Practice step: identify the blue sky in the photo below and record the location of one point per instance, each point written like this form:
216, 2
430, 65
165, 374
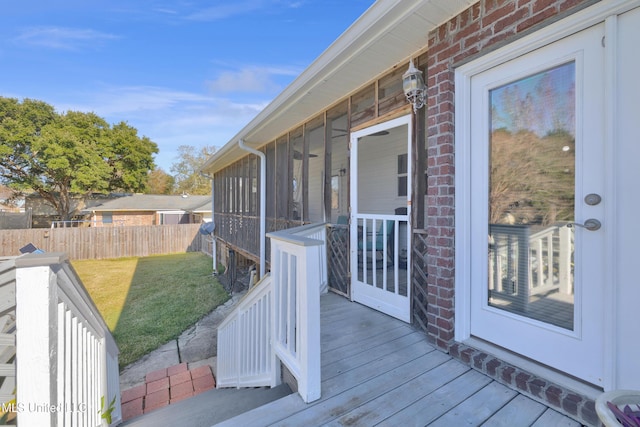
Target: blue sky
168, 68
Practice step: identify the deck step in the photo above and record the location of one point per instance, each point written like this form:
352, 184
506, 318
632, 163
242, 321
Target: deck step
211, 407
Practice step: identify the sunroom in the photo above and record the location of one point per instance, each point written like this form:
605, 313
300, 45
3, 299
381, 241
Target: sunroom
351, 165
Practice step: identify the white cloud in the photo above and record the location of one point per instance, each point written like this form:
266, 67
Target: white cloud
169, 117
255, 79
63, 38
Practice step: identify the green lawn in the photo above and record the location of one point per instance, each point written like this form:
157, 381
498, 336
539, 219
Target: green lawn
149, 301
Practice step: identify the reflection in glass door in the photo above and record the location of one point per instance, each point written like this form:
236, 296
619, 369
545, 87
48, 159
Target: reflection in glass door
531, 196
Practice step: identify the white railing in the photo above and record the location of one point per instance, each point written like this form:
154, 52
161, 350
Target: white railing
279, 320
299, 274
67, 360
244, 342
7, 331
392, 232
522, 265
550, 260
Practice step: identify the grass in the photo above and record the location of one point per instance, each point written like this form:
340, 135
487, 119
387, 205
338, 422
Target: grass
147, 302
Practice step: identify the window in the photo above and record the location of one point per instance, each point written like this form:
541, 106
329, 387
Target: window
107, 217
403, 169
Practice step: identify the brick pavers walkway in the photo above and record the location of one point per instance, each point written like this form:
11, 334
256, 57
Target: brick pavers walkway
166, 386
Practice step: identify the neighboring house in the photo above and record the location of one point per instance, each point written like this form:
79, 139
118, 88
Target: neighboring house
150, 209
524, 245
44, 215
8, 201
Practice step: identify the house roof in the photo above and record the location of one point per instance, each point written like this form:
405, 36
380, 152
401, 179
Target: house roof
386, 35
153, 202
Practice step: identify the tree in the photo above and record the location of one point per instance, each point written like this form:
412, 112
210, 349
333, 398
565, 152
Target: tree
188, 179
74, 153
160, 182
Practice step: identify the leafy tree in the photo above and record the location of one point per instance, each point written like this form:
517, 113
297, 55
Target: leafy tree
160, 182
188, 179
532, 177
74, 153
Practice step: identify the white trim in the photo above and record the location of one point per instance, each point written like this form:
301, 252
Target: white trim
609, 161
604, 11
462, 144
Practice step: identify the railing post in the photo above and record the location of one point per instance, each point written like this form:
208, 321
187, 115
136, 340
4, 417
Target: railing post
36, 346
564, 261
275, 310
111, 378
309, 313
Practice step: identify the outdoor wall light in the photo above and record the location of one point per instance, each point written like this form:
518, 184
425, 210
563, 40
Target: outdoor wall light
414, 87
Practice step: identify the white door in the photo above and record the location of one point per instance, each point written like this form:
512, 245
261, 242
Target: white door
536, 159
380, 212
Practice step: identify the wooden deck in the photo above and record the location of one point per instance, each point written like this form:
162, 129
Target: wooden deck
380, 371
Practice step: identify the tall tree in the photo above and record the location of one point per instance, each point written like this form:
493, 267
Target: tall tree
62, 155
185, 170
160, 182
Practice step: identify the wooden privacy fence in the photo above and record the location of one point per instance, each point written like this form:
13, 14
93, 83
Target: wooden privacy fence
106, 242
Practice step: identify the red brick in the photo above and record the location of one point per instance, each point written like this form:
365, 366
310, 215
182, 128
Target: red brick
478, 360
132, 408
200, 371
507, 374
173, 370
156, 400
156, 375
162, 383
554, 396
204, 383
492, 367
180, 378
522, 379
133, 393
181, 390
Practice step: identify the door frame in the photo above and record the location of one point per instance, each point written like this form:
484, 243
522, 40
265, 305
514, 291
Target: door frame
605, 11
368, 298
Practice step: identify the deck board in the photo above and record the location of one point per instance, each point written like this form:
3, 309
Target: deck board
479, 407
522, 408
377, 370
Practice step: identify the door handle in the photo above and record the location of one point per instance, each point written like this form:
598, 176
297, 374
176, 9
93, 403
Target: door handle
591, 224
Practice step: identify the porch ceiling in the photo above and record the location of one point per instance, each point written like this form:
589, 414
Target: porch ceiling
386, 35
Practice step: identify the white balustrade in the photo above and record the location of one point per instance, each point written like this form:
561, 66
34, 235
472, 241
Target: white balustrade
244, 347
523, 265
66, 358
279, 320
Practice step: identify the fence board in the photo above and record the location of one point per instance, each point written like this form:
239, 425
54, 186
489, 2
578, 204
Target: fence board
105, 242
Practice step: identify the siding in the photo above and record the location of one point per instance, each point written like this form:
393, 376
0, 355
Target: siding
378, 172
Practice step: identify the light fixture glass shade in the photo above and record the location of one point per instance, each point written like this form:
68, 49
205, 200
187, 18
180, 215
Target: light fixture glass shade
414, 87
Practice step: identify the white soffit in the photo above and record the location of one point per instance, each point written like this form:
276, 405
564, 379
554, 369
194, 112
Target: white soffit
387, 34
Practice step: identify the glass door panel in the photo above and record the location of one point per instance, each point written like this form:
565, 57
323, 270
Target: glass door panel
532, 196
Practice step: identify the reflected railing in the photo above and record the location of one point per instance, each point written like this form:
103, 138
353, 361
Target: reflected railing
526, 268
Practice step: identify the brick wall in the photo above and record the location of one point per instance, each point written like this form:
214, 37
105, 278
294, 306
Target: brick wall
128, 219
485, 25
